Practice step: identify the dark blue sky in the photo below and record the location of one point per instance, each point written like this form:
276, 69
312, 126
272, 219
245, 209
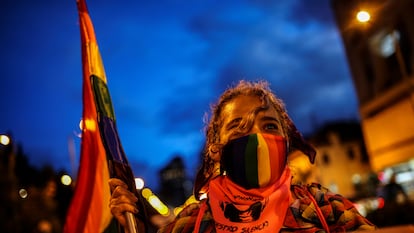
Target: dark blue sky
166, 62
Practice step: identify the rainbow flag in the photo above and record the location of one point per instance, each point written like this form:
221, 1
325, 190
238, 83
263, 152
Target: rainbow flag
89, 210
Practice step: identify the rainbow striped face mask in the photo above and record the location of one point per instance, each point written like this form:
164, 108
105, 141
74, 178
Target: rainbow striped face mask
255, 160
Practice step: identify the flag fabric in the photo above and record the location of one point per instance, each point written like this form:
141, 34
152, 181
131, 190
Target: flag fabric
89, 209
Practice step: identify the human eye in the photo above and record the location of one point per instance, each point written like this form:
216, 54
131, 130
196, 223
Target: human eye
234, 129
234, 124
271, 127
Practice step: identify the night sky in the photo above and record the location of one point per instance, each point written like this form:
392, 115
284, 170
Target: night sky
166, 62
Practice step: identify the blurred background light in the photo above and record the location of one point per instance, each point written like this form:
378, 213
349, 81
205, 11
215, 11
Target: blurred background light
23, 193
363, 16
139, 183
66, 180
4, 139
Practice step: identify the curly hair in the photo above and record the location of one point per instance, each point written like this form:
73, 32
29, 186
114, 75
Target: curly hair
261, 89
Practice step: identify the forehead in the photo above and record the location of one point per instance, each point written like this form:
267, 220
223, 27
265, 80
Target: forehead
242, 105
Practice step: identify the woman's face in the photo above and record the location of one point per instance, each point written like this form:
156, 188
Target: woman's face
266, 121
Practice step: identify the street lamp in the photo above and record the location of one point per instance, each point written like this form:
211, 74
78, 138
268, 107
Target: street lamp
389, 43
363, 16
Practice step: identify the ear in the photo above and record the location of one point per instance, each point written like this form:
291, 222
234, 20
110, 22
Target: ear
215, 152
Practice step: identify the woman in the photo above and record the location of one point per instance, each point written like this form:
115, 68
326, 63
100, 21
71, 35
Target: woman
245, 177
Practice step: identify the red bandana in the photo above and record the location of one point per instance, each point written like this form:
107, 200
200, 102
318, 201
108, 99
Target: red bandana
260, 210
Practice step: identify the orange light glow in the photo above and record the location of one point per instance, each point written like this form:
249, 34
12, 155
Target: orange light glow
89, 124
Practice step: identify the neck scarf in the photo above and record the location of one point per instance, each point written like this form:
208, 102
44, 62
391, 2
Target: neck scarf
260, 210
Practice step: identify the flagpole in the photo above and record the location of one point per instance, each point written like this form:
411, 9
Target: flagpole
132, 225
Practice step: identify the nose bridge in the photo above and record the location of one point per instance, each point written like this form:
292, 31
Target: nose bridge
255, 127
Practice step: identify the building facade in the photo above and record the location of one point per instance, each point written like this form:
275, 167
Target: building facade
341, 164
380, 55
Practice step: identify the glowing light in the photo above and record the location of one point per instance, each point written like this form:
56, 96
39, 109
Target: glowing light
4, 139
66, 180
203, 196
356, 179
177, 210
158, 205
81, 124
139, 183
368, 205
23, 193
381, 202
146, 193
381, 176
155, 202
89, 124
188, 202
363, 16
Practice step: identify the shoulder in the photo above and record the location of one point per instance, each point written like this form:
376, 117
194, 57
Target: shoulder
315, 190
310, 187
336, 210
322, 197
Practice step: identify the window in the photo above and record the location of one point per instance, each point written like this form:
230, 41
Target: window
325, 159
351, 154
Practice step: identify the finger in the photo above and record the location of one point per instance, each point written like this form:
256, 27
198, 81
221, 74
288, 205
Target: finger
118, 214
119, 206
115, 182
121, 191
126, 198
118, 209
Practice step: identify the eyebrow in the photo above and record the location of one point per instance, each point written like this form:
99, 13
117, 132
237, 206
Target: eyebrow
269, 118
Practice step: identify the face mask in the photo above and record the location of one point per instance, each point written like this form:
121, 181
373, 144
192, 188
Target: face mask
255, 160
